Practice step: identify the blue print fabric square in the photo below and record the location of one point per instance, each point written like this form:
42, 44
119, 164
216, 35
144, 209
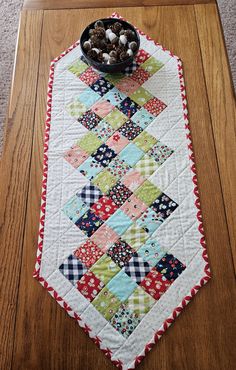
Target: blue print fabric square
131, 154
89, 223
114, 96
75, 208
72, 269
170, 267
128, 107
151, 252
130, 130
104, 155
102, 86
164, 206
119, 222
89, 97
143, 118
89, 120
90, 168
149, 221
121, 285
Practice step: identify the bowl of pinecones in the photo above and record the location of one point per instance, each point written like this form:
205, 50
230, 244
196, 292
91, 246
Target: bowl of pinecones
109, 44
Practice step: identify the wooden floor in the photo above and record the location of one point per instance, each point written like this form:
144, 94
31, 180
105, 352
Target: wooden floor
35, 333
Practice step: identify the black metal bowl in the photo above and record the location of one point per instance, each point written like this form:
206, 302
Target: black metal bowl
109, 68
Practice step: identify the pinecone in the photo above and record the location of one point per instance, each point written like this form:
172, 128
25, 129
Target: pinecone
99, 32
92, 54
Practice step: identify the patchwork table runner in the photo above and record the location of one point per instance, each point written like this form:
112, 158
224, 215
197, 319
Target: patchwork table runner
121, 244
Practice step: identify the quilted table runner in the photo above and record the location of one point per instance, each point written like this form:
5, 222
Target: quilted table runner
121, 244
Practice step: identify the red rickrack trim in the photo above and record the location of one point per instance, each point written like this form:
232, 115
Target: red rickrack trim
44, 283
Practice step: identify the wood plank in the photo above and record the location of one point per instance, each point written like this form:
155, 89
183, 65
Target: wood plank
91, 4
14, 171
203, 336
222, 107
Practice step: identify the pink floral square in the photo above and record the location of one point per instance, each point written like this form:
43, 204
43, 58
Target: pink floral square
141, 56
102, 108
104, 237
75, 156
155, 106
117, 142
89, 76
140, 76
133, 180
127, 85
133, 207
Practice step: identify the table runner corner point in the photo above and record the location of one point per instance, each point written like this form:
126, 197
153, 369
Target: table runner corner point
150, 268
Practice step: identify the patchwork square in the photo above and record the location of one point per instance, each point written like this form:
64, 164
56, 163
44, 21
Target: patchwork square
90, 168
130, 130
170, 267
103, 130
140, 76
101, 86
75, 156
104, 180
106, 303
74, 208
78, 67
116, 118
155, 284
118, 168
104, 207
135, 236
89, 120
143, 118
104, 237
104, 155
72, 269
114, 96
90, 194
141, 56
147, 192
88, 253
105, 269
89, 285
125, 321
89, 142
76, 109
152, 65
145, 141
146, 166
155, 106
121, 285
151, 252
89, 223
117, 142
137, 268
88, 97
102, 108
131, 154
141, 96
133, 207
133, 180
149, 221
127, 85
164, 206
89, 76
120, 252
160, 153
114, 78
119, 222
128, 107
119, 193
140, 302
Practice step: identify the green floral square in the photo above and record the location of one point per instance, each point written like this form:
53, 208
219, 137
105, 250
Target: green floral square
135, 236
76, 109
89, 142
147, 192
116, 118
152, 65
145, 141
105, 180
78, 67
141, 96
105, 268
106, 303
114, 78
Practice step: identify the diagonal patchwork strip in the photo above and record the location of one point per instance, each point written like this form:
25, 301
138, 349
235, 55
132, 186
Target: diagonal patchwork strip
125, 238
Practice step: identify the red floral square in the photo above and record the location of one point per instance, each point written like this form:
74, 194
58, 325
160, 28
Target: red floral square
141, 56
155, 284
88, 253
155, 106
104, 207
89, 76
89, 285
140, 76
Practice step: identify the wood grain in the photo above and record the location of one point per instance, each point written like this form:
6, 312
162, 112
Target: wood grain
14, 171
91, 4
203, 337
222, 107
